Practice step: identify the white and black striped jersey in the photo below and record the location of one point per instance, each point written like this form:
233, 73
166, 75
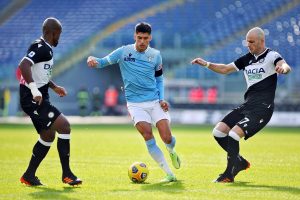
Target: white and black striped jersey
260, 75
40, 54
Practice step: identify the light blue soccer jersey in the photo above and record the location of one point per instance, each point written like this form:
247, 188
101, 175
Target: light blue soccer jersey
138, 72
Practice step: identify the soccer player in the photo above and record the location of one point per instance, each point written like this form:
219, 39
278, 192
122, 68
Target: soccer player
142, 73
36, 69
261, 66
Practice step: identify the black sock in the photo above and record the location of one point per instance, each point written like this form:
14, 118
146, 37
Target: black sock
222, 141
38, 154
232, 154
63, 147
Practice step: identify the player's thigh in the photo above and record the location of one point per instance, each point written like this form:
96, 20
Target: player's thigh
61, 125
158, 114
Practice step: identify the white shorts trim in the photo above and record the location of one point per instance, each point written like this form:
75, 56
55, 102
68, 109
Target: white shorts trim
149, 111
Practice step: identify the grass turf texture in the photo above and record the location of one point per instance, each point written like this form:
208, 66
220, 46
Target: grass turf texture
101, 155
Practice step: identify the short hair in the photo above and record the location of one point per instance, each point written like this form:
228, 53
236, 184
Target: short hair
143, 27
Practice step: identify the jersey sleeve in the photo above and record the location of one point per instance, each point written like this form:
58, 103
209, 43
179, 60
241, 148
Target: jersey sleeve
158, 66
37, 53
159, 77
241, 62
112, 58
276, 57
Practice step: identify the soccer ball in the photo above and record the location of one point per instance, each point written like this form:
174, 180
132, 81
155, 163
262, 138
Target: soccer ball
138, 172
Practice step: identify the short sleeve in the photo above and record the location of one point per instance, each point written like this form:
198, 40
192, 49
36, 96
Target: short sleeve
243, 61
276, 57
38, 53
115, 56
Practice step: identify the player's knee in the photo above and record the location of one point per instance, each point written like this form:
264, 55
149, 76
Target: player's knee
47, 136
147, 135
65, 128
218, 133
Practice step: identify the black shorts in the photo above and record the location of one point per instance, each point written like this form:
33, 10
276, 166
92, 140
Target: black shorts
251, 118
42, 116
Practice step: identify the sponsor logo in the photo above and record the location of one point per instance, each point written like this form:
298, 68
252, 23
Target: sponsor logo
255, 73
129, 58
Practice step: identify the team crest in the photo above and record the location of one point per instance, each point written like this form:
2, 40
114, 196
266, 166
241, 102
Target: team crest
150, 58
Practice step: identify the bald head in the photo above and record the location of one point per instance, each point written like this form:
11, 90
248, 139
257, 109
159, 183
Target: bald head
51, 30
257, 32
51, 24
256, 40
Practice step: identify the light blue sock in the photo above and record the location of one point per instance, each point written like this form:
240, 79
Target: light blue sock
171, 146
158, 155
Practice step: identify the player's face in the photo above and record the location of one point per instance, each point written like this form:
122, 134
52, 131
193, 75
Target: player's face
142, 41
254, 44
56, 36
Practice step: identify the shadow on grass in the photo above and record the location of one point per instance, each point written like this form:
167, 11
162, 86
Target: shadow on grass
173, 187
292, 190
44, 192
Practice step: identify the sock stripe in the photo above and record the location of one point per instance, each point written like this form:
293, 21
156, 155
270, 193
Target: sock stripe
218, 134
48, 144
64, 136
234, 135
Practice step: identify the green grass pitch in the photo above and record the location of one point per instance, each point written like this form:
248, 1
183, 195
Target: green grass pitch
101, 155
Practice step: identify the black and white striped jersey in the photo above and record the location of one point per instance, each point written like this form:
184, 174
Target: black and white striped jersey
40, 54
260, 75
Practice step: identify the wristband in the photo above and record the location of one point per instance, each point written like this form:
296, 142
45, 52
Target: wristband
34, 90
207, 64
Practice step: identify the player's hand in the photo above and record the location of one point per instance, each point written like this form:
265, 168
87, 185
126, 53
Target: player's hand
164, 105
199, 61
280, 69
60, 91
92, 62
38, 99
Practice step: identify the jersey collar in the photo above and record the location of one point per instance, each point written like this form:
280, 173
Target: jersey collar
46, 42
260, 53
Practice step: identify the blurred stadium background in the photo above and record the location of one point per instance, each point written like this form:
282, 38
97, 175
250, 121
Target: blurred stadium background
182, 30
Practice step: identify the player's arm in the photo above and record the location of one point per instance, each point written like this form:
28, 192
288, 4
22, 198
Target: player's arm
61, 91
216, 67
110, 59
25, 68
282, 67
160, 84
